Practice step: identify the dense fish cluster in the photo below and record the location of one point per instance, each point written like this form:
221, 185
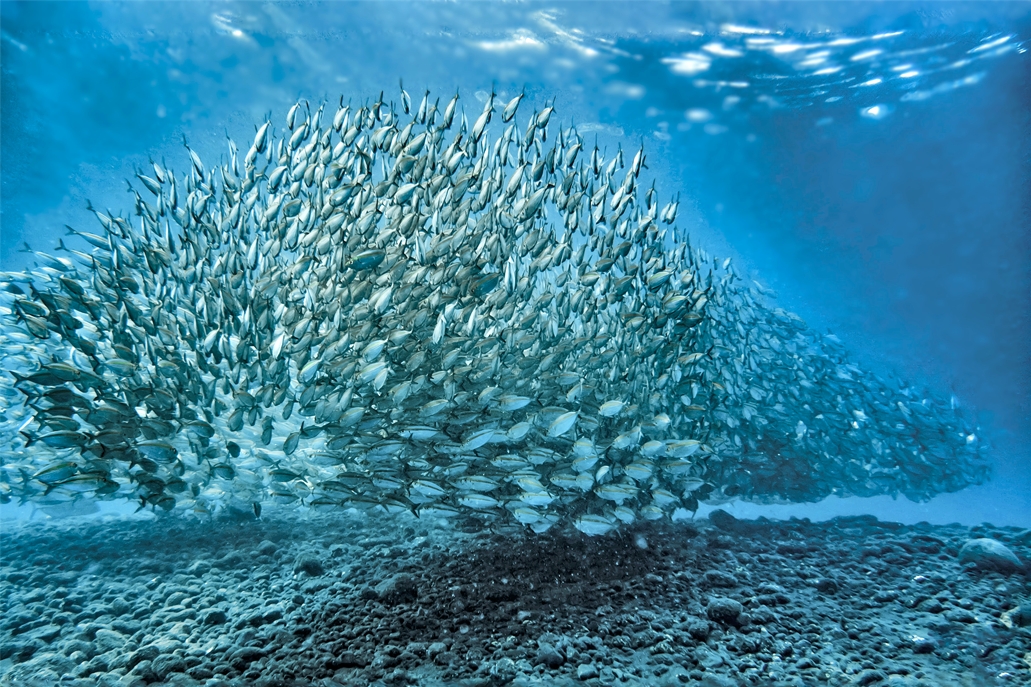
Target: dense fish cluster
388, 307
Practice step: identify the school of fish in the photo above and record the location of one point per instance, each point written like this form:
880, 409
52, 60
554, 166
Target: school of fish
387, 307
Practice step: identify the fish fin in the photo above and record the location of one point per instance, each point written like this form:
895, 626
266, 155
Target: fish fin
29, 439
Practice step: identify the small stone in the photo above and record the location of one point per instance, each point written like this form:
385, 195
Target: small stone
931, 606
961, 615
20, 649
924, 645
167, 663
400, 588
826, 585
989, 554
708, 659
1021, 615
108, 640
47, 633
436, 648
549, 656
724, 520
144, 653
309, 564
348, 659
718, 578
586, 671
698, 629
717, 680
199, 568
267, 548
214, 617
503, 671
244, 656
868, 677
126, 627
724, 610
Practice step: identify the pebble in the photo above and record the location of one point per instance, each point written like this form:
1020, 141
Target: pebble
586, 671
308, 564
1021, 615
724, 520
214, 617
719, 578
398, 589
869, 677
961, 615
724, 610
548, 655
504, 670
924, 645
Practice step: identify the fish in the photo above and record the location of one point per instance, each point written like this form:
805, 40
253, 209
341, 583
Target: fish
405, 310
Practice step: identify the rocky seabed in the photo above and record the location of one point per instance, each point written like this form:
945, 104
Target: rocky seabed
360, 599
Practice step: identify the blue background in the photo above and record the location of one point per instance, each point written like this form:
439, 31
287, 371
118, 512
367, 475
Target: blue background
870, 162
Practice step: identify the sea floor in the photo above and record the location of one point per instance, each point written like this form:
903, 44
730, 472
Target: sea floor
355, 599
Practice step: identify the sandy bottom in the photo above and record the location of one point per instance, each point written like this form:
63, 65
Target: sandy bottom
354, 599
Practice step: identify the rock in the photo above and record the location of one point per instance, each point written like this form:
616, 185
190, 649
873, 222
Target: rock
19, 649
199, 568
1021, 615
436, 648
698, 629
230, 561
244, 656
724, 610
868, 677
716, 680
165, 664
724, 520
267, 548
961, 615
884, 596
126, 627
347, 659
924, 645
400, 588
144, 671
308, 564
503, 671
826, 585
718, 578
586, 671
214, 617
549, 656
989, 554
108, 640
47, 633
144, 653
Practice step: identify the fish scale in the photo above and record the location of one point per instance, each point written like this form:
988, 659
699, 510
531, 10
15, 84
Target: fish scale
258, 319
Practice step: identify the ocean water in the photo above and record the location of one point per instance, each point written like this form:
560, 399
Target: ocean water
866, 162
869, 164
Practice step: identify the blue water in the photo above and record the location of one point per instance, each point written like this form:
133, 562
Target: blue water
869, 162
